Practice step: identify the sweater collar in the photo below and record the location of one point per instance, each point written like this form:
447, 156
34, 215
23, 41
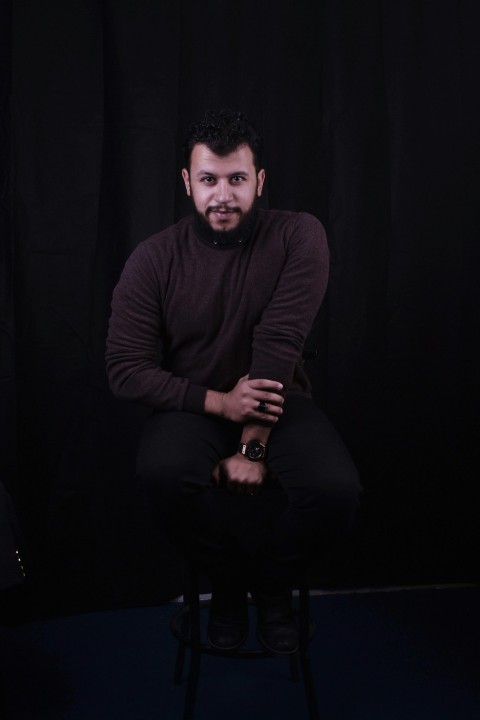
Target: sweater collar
239, 236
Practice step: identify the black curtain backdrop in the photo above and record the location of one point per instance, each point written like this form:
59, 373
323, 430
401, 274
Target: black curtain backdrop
370, 113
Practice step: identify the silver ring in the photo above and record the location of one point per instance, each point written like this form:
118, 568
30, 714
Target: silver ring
262, 406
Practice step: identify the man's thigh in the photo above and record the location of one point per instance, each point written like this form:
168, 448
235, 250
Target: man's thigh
179, 447
307, 454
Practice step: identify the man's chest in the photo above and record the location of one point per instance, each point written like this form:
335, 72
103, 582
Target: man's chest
219, 288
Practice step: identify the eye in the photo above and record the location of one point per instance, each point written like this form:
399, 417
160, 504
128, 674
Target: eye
237, 179
207, 179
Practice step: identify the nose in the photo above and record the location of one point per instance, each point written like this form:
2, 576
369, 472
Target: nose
223, 191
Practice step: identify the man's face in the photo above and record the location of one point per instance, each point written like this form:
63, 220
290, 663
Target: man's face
223, 189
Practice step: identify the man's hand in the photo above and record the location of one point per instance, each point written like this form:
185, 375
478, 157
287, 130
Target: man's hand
241, 476
241, 404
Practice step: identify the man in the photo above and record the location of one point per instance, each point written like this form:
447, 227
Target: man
230, 292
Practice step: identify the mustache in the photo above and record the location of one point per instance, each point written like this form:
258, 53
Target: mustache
216, 208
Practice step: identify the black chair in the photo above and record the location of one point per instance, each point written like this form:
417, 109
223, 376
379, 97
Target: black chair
186, 626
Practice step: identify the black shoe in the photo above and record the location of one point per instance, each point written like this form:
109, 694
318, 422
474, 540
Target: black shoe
277, 631
228, 621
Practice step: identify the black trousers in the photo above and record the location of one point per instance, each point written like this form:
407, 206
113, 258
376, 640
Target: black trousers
308, 502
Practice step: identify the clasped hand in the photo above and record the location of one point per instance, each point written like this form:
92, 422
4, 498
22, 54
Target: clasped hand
241, 404
240, 475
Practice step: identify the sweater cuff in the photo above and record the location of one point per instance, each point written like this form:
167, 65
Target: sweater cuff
194, 400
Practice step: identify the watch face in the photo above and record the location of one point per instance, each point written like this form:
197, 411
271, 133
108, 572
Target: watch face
255, 450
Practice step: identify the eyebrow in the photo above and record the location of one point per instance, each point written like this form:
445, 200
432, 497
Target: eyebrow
212, 174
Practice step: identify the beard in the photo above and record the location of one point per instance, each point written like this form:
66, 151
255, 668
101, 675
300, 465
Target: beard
238, 234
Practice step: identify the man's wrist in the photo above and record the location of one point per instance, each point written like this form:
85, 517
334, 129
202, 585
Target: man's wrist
253, 450
254, 442
214, 403
256, 431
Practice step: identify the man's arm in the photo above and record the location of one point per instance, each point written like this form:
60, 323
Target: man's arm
279, 337
135, 325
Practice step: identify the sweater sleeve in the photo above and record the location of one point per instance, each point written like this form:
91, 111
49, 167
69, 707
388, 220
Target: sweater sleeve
133, 338
279, 337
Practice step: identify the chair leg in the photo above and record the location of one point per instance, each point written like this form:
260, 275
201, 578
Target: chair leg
180, 659
184, 633
192, 598
308, 681
192, 682
309, 686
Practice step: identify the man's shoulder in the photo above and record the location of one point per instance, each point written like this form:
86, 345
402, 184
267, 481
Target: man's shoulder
170, 233
287, 216
165, 240
160, 249
290, 221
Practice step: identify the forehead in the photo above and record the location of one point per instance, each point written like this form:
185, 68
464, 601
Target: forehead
203, 159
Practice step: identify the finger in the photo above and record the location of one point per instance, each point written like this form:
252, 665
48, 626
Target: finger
253, 488
270, 397
267, 413
234, 488
243, 487
268, 408
263, 384
216, 474
271, 402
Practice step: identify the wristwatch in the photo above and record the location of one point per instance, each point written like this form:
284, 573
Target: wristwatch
254, 450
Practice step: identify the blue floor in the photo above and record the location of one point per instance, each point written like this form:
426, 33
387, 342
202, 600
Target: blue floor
399, 655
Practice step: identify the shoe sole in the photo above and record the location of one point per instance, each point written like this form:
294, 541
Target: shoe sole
276, 653
229, 649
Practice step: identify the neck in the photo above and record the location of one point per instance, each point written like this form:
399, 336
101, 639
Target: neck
239, 235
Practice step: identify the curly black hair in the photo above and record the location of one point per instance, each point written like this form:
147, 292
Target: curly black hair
223, 131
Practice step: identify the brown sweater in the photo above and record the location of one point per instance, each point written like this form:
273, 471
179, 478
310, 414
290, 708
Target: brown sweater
218, 312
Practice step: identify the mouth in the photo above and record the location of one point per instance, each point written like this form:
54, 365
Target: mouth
222, 212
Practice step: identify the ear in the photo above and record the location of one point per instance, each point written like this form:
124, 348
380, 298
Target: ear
186, 180
260, 181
